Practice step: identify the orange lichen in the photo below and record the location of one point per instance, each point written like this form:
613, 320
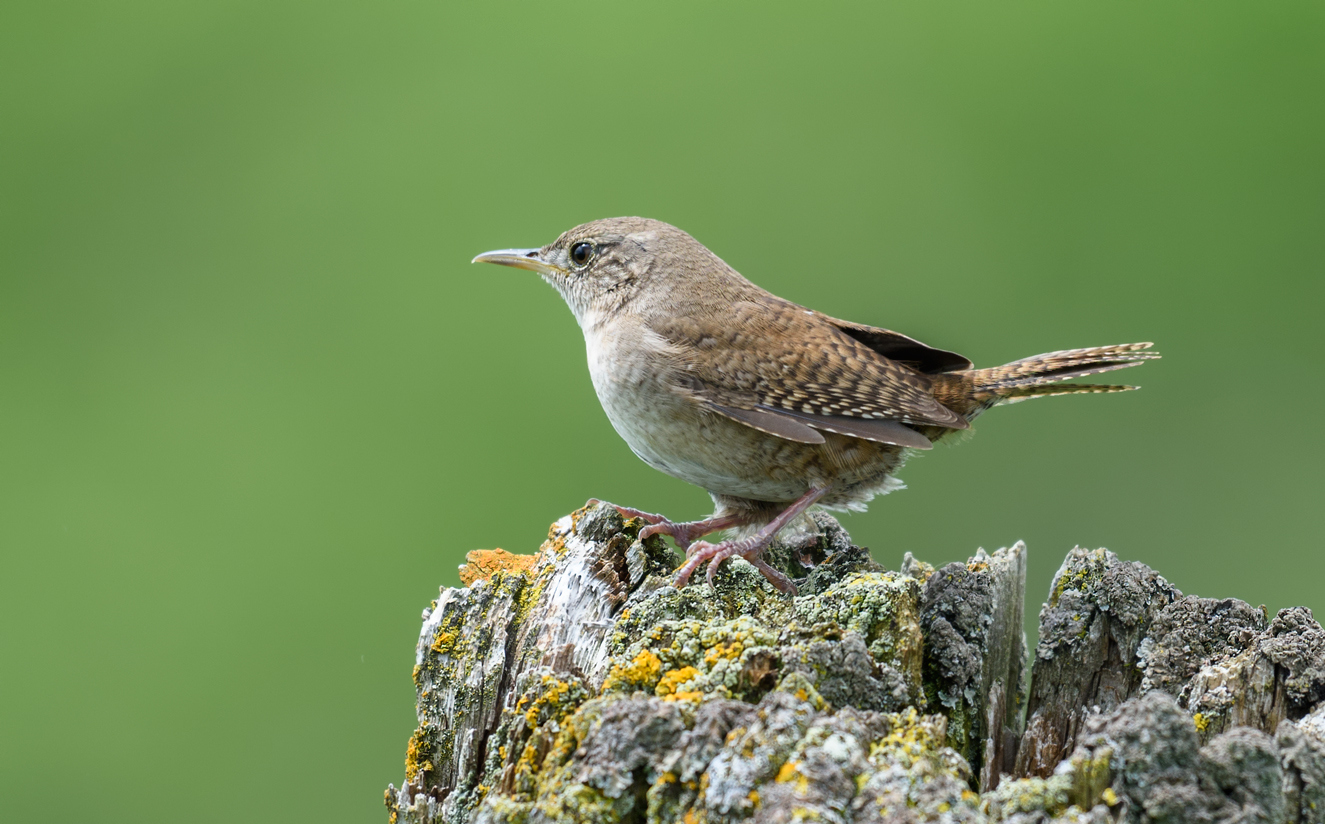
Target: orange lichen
482, 564
556, 540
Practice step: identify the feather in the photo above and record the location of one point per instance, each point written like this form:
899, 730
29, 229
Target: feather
783, 426
898, 434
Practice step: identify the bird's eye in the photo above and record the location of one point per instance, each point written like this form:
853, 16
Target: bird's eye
581, 253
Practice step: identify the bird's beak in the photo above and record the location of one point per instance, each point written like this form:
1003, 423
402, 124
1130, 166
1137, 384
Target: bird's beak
520, 259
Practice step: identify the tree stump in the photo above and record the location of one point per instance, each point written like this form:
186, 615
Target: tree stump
580, 686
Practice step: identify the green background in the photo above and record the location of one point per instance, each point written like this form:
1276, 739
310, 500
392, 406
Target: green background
257, 404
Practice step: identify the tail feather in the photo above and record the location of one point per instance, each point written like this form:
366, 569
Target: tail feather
972, 391
1025, 393
1053, 367
1014, 380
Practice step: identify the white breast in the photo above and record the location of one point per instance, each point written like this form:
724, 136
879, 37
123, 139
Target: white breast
668, 430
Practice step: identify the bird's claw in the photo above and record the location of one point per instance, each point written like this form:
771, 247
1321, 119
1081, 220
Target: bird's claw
714, 554
685, 534
628, 512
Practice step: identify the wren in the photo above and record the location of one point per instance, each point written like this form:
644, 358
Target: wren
769, 406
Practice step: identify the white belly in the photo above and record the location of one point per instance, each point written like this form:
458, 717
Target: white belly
673, 434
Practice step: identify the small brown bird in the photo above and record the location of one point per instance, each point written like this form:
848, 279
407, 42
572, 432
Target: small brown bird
771, 407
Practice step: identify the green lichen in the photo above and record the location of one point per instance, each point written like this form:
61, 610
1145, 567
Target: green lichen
1081, 786
1028, 795
1088, 573
882, 607
1092, 776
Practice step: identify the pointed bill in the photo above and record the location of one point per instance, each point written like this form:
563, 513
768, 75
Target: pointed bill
521, 259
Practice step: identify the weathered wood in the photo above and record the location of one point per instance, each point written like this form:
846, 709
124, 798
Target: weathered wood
971, 615
1097, 614
581, 686
1260, 678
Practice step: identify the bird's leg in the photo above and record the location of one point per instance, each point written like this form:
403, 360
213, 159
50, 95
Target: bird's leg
751, 548
779, 581
684, 533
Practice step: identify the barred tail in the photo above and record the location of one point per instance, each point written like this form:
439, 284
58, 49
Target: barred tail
1036, 377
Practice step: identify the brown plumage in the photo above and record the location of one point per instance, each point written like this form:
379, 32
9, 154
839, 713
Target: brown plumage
770, 406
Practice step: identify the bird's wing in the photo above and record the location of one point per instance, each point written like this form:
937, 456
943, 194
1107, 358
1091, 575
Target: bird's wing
898, 347
788, 371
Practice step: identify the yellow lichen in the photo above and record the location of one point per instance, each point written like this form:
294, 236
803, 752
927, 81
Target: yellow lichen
1201, 721
674, 678
417, 755
556, 690
1110, 797
687, 695
910, 736
729, 652
639, 673
724, 652
527, 764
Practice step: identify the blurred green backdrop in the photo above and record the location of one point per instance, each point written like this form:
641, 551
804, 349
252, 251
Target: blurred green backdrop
256, 404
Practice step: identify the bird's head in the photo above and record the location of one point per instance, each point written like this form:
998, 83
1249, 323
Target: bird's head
605, 266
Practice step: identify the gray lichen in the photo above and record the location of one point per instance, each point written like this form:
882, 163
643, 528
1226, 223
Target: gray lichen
971, 616
583, 687
1098, 613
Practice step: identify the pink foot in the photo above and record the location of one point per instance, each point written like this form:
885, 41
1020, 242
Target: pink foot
712, 554
627, 512
715, 554
751, 549
685, 533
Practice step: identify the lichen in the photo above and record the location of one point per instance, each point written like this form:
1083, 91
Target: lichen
865, 698
482, 564
881, 607
640, 672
